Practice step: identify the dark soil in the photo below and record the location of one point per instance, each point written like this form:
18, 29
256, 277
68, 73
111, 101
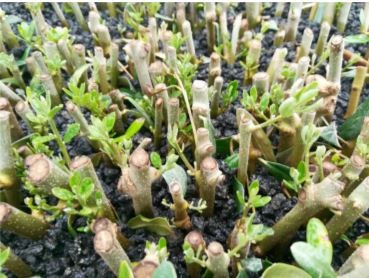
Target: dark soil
61, 255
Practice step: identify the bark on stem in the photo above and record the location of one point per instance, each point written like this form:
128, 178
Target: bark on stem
204, 147
49, 86
23, 110
187, 33
200, 102
236, 32
103, 37
356, 89
253, 13
259, 138
79, 59
139, 53
100, 224
59, 14
252, 60
306, 41
46, 174
5, 91
15, 264
356, 204
293, 21
15, 129
181, 218
218, 85
158, 122
78, 14
84, 166
108, 247
358, 260
136, 182
245, 131
312, 199
101, 70
197, 242
335, 59
343, 16
261, 82
218, 261
21, 223
10, 38
173, 112
215, 68
211, 176
210, 17
325, 28
8, 177
274, 67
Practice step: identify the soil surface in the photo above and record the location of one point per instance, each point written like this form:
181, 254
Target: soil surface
61, 255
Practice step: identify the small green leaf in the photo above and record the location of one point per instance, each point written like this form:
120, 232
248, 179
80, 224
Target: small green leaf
125, 270
62, 193
158, 225
253, 264
134, 128
78, 74
359, 38
281, 270
155, 160
75, 179
329, 135
264, 102
261, 201
178, 174
71, 132
253, 188
86, 188
239, 194
232, 161
109, 121
165, 270
317, 236
350, 129
311, 260
279, 171
287, 107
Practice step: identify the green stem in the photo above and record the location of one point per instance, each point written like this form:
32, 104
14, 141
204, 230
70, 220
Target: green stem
59, 141
183, 157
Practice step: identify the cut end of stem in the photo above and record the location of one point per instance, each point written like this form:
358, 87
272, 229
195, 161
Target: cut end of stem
195, 239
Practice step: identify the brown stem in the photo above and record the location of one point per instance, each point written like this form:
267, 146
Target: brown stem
15, 129
105, 224
211, 176
15, 264
204, 147
181, 218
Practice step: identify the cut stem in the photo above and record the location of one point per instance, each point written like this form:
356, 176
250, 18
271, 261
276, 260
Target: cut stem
15, 264
20, 223
181, 218
356, 89
218, 261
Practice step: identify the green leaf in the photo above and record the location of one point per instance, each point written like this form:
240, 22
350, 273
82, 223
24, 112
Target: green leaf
329, 135
359, 38
75, 179
253, 264
350, 129
261, 201
281, 270
4, 255
311, 260
134, 128
232, 161
155, 160
253, 188
279, 171
62, 194
178, 174
223, 146
158, 225
86, 188
71, 132
109, 121
78, 74
317, 236
165, 270
287, 108
239, 194
125, 270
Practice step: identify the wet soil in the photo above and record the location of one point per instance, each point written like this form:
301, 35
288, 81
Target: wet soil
61, 255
